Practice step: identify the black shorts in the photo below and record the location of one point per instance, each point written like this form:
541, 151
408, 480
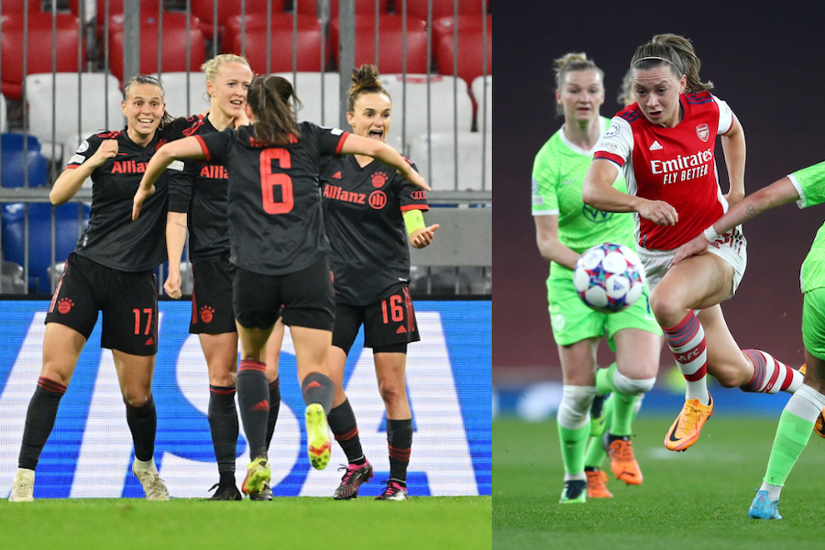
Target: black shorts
212, 310
389, 325
128, 300
306, 296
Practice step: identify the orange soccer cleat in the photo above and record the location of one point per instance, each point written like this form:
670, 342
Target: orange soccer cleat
597, 484
688, 425
623, 461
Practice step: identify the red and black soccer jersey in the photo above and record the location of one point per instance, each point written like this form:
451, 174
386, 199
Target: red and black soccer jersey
363, 209
112, 239
199, 190
276, 222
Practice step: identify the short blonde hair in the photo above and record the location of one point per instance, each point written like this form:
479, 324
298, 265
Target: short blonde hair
211, 67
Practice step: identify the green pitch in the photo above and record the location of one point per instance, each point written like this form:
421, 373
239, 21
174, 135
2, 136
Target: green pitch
284, 523
694, 500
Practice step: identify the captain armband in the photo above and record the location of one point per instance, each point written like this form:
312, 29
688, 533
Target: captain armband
414, 220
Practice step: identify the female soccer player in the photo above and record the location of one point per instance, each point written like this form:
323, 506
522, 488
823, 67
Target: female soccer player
197, 202
565, 228
371, 267
109, 271
806, 404
279, 249
665, 145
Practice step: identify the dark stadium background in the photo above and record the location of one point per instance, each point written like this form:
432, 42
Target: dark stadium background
767, 62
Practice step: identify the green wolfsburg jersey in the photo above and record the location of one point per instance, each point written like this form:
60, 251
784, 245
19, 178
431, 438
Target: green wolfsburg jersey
810, 184
558, 176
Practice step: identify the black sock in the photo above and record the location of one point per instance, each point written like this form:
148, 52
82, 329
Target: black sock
318, 388
399, 439
223, 423
253, 400
274, 408
39, 421
143, 423
344, 427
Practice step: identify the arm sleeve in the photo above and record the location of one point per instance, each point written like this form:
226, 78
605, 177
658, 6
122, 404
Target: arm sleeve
216, 145
181, 184
617, 143
725, 116
84, 151
411, 197
543, 190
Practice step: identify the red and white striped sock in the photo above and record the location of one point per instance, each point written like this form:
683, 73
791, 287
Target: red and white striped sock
770, 375
687, 343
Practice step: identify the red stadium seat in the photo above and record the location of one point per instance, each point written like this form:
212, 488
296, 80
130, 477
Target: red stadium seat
39, 49
173, 45
442, 8
252, 43
148, 8
470, 52
204, 10
445, 26
391, 43
310, 7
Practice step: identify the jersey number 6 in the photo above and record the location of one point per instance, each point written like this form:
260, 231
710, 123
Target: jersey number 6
269, 180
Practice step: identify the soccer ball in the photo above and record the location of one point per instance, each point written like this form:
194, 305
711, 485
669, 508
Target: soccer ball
608, 277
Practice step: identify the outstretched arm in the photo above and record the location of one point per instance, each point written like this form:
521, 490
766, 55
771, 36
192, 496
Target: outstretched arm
175, 241
776, 194
357, 145
189, 148
598, 192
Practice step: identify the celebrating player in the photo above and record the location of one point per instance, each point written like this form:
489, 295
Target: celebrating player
564, 229
279, 249
109, 271
370, 262
665, 144
197, 202
805, 405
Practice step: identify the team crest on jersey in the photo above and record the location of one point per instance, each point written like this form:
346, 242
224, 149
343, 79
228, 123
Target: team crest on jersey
703, 132
379, 179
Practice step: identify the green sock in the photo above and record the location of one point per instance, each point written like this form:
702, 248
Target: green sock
792, 436
604, 379
595, 454
573, 443
622, 403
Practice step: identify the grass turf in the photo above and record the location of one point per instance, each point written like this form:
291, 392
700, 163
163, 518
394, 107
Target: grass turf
695, 499
303, 523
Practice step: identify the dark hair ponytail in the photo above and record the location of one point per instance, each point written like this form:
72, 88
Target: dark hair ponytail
365, 81
269, 98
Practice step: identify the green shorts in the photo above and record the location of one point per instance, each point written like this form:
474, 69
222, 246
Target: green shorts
573, 321
813, 322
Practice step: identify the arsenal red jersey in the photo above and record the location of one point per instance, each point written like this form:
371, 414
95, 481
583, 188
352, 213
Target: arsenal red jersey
675, 165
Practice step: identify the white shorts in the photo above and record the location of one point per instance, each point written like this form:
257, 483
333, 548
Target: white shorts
731, 247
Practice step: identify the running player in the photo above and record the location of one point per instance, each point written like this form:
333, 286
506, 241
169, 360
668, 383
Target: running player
665, 144
197, 202
805, 406
110, 271
564, 229
370, 262
279, 249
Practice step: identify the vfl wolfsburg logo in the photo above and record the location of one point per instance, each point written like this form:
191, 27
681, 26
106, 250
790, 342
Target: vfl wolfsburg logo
596, 216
